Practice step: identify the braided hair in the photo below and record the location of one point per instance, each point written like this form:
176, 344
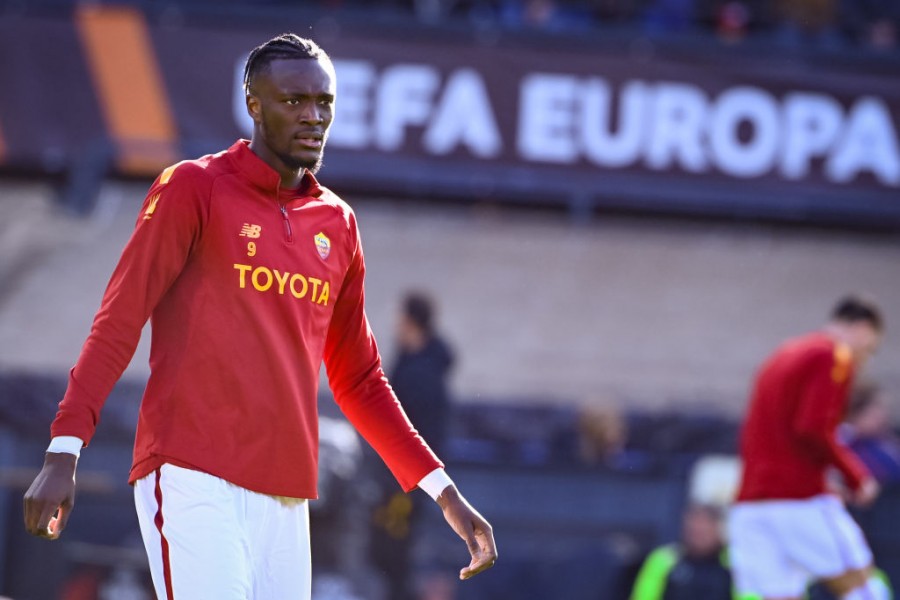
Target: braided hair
286, 45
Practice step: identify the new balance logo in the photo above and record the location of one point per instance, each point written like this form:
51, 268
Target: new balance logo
251, 231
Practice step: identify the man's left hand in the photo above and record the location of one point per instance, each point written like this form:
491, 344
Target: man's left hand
472, 528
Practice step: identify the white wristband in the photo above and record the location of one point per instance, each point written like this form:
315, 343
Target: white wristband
68, 444
435, 482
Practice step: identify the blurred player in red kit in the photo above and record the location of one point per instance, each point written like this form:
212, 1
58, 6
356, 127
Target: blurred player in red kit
786, 529
253, 275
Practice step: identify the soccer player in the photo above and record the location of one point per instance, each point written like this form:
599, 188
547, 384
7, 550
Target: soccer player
786, 529
253, 274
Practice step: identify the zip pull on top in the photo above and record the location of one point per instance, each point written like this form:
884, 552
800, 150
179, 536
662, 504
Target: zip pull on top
289, 233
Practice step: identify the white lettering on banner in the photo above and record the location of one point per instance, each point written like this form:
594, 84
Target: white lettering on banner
547, 119
678, 118
743, 131
601, 145
464, 117
868, 143
404, 97
564, 119
811, 126
759, 110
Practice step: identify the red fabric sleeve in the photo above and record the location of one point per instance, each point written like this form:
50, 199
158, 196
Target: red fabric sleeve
821, 410
166, 229
360, 387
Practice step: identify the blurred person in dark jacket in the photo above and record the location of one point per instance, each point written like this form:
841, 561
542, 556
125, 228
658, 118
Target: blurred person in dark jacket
423, 362
419, 380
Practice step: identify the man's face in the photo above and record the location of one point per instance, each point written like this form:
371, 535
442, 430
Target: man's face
292, 106
701, 534
409, 335
864, 340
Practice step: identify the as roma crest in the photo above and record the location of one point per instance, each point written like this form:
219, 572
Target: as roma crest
323, 245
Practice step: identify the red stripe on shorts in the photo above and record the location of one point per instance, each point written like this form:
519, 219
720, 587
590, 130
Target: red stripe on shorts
158, 520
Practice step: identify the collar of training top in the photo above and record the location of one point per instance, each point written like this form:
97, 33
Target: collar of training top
260, 174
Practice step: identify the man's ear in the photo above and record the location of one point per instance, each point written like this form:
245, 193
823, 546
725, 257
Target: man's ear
253, 107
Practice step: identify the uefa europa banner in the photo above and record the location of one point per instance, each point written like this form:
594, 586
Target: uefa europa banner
585, 124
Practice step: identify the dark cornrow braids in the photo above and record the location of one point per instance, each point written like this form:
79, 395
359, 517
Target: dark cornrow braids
286, 45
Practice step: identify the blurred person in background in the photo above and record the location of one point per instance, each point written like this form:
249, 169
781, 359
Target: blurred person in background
420, 371
733, 20
419, 378
785, 529
254, 275
602, 434
806, 21
694, 568
872, 23
543, 15
867, 431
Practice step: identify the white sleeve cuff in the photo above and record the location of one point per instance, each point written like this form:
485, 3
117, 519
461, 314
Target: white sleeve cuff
435, 482
67, 444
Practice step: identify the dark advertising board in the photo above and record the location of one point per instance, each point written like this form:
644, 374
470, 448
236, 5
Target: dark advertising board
585, 126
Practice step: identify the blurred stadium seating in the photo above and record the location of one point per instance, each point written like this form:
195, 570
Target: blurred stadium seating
568, 530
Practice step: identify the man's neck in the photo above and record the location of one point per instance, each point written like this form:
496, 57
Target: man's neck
290, 178
294, 180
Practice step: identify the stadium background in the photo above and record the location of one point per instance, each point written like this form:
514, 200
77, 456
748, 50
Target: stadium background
641, 269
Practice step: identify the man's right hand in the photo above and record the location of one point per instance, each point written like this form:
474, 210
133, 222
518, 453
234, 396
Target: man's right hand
51, 497
472, 528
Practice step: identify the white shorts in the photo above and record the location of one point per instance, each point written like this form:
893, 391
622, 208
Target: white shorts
209, 539
779, 546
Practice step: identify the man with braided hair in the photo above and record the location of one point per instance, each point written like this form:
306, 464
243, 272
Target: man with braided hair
253, 275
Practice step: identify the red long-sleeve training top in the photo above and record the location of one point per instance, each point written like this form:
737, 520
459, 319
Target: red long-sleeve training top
250, 287
789, 437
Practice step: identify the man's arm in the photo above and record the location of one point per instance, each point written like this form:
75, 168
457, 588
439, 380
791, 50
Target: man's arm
821, 409
360, 386
167, 227
362, 391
